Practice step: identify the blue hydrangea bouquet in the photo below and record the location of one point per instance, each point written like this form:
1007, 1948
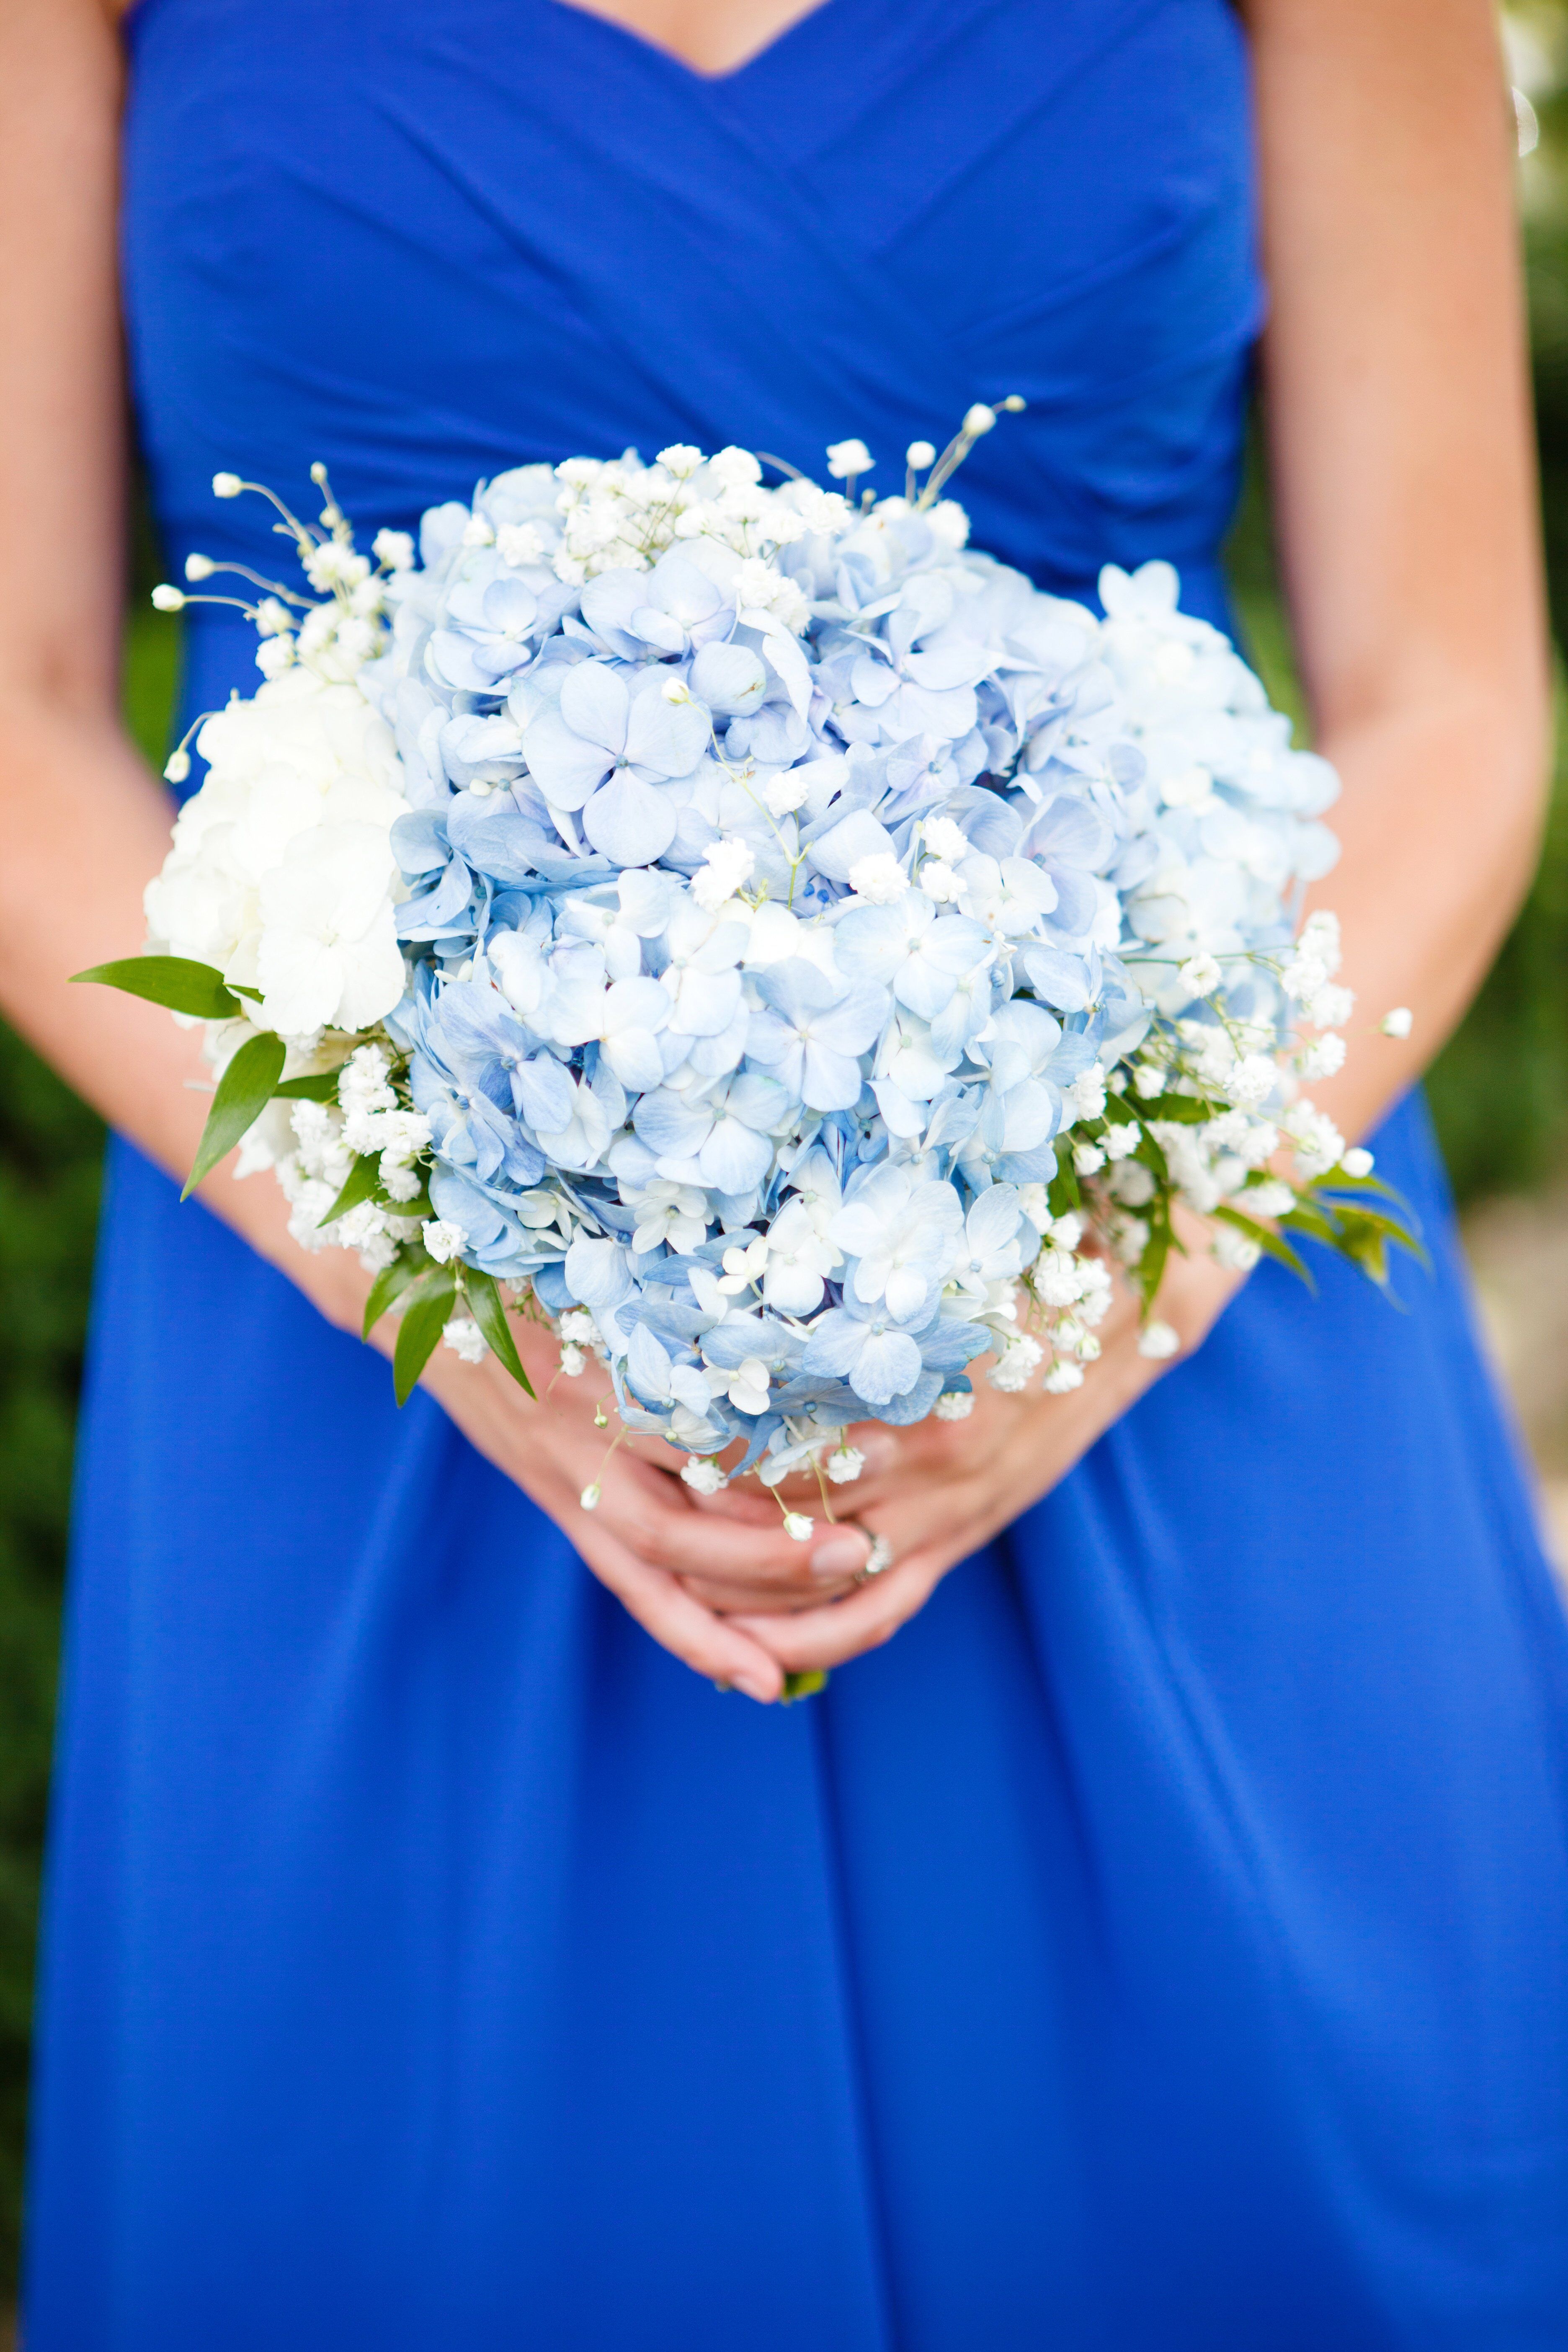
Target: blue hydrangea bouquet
759, 935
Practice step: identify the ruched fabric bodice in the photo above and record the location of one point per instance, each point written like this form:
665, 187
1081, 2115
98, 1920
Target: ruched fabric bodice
1161, 1943
427, 243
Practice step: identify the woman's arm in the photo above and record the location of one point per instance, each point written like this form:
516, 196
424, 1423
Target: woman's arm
83, 825
1404, 496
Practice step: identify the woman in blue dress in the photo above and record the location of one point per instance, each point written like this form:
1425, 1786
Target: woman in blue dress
1161, 1943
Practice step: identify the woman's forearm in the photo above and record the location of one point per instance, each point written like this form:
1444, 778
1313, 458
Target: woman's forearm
1420, 923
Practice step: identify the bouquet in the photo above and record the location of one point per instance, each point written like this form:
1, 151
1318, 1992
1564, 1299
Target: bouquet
768, 940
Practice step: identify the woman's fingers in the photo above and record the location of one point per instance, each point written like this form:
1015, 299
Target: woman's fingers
650, 1513
814, 1639
749, 1600
710, 1645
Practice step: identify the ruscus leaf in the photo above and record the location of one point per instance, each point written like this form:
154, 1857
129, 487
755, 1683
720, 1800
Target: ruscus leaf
323, 1087
362, 1182
391, 1283
243, 1093
485, 1301
174, 981
421, 1327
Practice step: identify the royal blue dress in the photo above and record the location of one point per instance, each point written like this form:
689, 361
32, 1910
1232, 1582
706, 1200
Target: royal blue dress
1160, 1946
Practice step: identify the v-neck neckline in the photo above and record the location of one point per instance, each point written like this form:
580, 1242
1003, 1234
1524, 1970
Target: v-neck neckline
681, 66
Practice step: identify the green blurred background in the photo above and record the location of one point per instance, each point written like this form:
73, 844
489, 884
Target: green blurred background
1498, 1090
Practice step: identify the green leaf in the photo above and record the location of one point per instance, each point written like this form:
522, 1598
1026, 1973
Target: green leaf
1190, 1110
391, 1283
1269, 1241
485, 1301
1153, 1156
323, 1087
363, 1180
421, 1327
804, 1684
1151, 1267
243, 1093
1307, 1218
171, 981
1064, 1193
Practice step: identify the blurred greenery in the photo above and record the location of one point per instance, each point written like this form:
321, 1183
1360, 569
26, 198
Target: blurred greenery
1499, 1091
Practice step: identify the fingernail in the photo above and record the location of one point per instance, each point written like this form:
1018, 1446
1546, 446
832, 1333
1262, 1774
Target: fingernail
753, 1687
839, 1554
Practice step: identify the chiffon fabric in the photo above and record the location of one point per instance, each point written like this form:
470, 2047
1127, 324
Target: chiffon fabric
1159, 1944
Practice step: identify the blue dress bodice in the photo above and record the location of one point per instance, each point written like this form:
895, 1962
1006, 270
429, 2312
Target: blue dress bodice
426, 243
1160, 1943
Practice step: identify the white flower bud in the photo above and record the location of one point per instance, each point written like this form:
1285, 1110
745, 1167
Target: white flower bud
574, 1362
702, 1475
797, 1527
920, 455
199, 567
957, 1404
844, 1464
227, 485
848, 458
166, 598
177, 766
590, 1497
443, 1240
1399, 1023
1158, 1342
978, 419
1357, 1160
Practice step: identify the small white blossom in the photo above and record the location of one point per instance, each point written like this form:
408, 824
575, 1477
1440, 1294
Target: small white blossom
879, 879
1016, 1363
785, 795
725, 869
1270, 1199
1357, 1162
1122, 1138
394, 549
443, 1240
1200, 975
1088, 1159
1157, 1341
920, 455
1236, 1250
702, 1474
954, 1405
574, 1362
1399, 1023
844, 1464
798, 1528
464, 1338
1063, 1376
1322, 1056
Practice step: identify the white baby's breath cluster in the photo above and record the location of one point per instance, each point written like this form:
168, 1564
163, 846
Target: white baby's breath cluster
788, 951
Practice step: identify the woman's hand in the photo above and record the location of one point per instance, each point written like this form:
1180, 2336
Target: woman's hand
937, 1492
653, 1542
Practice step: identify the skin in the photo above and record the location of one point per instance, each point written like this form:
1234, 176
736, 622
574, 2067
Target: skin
1401, 454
